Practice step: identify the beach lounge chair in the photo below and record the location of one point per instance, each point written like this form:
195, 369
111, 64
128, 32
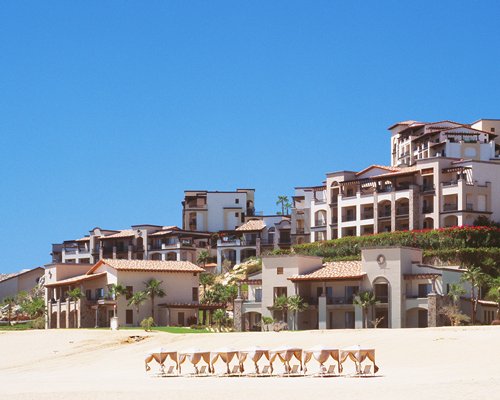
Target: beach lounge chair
327, 373
170, 370
235, 371
363, 373
265, 371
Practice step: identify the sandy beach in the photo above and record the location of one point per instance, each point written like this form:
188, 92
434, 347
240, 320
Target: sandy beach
440, 363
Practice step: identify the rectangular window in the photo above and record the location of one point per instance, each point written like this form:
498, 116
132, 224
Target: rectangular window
88, 294
180, 318
195, 294
319, 291
99, 293
329, 291
129, 317
279, 271
424, 289
236, 214
258, 295
349, 320
129, 292
237, 201
350, 292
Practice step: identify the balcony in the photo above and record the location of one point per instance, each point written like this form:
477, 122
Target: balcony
367, 215
427, 209
320, 222
469, 207
299, 231
349, 218
384, 214
339, 300
402, 211
382, 299
449, 183
384, 189
196, 205
450, 207
428, 188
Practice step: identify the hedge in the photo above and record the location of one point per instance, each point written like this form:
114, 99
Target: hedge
445, 238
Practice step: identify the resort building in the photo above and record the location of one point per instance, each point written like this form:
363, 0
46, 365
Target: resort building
255, 236
23, 281
442, 174
141, 242
409, 293
213, 211
180, 282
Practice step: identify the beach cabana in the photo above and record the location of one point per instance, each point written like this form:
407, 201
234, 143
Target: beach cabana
285, 355
160, 355
321, 354
226, 355
194, 356
358, 354
254, 354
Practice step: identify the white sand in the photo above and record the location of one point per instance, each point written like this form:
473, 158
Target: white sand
440, 363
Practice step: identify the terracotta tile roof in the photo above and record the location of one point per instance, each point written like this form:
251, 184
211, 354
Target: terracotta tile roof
148, 265
252, 225
122, 234
76, 279
401, 171
83, 239
387, 168
332, 271
420, 276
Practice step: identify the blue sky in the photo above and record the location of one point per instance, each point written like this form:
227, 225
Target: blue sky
109, 110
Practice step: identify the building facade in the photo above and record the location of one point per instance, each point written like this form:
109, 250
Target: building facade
24, 281
409, 293
179, 280
442, 174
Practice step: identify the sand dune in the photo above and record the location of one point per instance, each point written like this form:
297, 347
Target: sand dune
440, 363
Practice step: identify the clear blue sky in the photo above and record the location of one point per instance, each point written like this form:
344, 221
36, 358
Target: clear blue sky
110, 109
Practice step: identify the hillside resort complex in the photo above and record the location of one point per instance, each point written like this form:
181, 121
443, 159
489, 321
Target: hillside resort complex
442, 174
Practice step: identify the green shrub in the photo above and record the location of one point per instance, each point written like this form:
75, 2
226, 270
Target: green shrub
487, 258
37, 323
147, 324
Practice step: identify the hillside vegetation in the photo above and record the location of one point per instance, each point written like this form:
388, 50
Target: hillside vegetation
467, 246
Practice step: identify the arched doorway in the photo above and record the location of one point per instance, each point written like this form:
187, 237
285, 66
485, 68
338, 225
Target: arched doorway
252, 321
450, 220
381, 311
428, 223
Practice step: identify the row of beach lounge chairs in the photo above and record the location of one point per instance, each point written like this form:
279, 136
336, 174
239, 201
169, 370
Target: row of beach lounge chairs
294, 361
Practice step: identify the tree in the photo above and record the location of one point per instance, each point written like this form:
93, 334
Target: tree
365, 300
453, 313
10, 302
74, 295
203, 258
476, 278
153, 290
33, 307
219, 316
206, 279
455, 292
137, 299
296, 304
494, 293
265, 322
116, 290
281, 304
284, 203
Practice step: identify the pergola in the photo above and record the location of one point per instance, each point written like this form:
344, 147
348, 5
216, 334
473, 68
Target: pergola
255, 354
285, 355
161, 355
358, 354
321, 354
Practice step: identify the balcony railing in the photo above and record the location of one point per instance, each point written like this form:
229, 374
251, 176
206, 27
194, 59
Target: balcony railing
382, 299
469, 206
428, 188
384, 214
427, 209
367, 215
450, 183
349, 218
402, 211
450, 207
320, 222
299, 231
384, 189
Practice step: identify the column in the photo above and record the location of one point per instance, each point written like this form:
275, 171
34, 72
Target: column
67, 312
219, 259
114, 252
96, 316
322, 311
79, 314
358, 317
237, 314
58, 325
129, 256
238, 256
432, 310
393, 210
48, 320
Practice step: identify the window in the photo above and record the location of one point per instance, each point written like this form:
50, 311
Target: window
492, 130
236, 214
349, 320
99, 293
424, 289
128, 292
279, 271
258, 295
88, 294
237, 201
280, 291
129, 317
195, 294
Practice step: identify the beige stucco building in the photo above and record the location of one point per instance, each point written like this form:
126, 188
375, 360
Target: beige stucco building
442, 174
180, 282
408, 292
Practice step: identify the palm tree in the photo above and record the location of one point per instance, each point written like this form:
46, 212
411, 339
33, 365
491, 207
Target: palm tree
285, 204
281, 303
455, 292
137, 299
365, 300
153, 290
476, 278
494, 293
74, 295
116, 290
206, 279
219, 316
10, 302
203, 257
296, 304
